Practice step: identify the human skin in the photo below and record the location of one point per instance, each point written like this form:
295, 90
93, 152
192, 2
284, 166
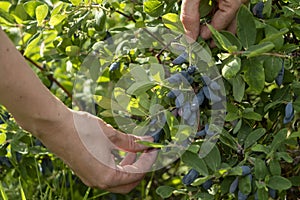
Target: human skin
36, 110
223, 18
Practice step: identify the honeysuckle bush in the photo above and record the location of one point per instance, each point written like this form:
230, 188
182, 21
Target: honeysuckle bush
255, 153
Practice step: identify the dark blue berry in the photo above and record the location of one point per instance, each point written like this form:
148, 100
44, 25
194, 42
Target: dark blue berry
180, 59
157, 135
205, 80
279, 78
245, 170
190, 177
114, 66
186, 111
192, 69
214, 85
179, 100
207, 184
272, 193
234, 185
201, 133
242, 196
258, 9
200, 97
176, 78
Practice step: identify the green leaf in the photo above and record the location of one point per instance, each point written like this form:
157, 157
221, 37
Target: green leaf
220, 40
232, 39
253, 137
245, 184
272, 66
72, 50
5, 15
100, 17
56, 19
75, 2
279, 183
238, 88
2, 138
259, 49
172, 21
140, 87
275, 36
154, 8
165, 191
213, 159
261, 148
231, 67
262, 194
254, 75
41, 13
279, 138
32, 43
275, 167
205, 7
157, 72
260, 169
252, 116
246, 34
285, 156
30, 7
295, 180
193, 160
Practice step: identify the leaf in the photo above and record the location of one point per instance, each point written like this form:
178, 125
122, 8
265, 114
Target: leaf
30, 7
193, 160
41, 13
5, 15
75, 2
232, 39
213, 159
154, 8
275, 167
259, 49
278, 139
172, 21
254, 136
231, 67
275, 36
140, 87
2, 138
252, 116
279, 183
262, 194
272, 66
221, 41
260, 169
72, 50
100, 18
246, 34
32, 43
157, 72
139, 74
238, 88
165, 191
205, 7
245, 184
56, 19
254, 75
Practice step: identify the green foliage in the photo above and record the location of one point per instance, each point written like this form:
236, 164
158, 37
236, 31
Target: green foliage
59, 36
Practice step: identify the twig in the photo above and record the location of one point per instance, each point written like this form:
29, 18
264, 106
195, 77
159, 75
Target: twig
50, 77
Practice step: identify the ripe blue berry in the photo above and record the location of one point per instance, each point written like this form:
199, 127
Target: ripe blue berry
242, 196
201, 133
157, 135
179, 100
207, 184
279, 78
189, 178
180, 59
245, 170
192, 69
214, 85
272, 193
234, 185
114, 66
200, 97
205, 80
176, 78
186, 111
258, 9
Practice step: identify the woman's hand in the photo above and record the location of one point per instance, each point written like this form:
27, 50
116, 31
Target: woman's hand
224, 17
85, 143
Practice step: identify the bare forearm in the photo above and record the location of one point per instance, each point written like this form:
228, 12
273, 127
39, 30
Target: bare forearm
23, 94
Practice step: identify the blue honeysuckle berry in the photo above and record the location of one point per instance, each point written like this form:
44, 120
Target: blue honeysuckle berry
242, 196
180, 59
186, 111
191, 69
175, 78
192, 119
205, 80
234, 185
279, 78
289, 113
207, 184
200, 97
201, 133
157, 135
190, 177
114, 66
272, 193
214, 86
258, 10
179, 100
245, 170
